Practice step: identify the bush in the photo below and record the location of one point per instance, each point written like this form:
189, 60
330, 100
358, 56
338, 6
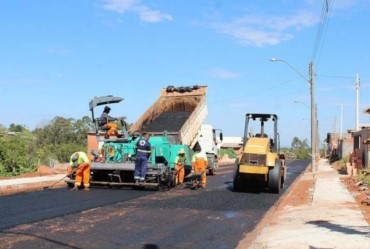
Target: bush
230, 152
16, 156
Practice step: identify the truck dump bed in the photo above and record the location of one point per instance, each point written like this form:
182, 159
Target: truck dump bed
180, 114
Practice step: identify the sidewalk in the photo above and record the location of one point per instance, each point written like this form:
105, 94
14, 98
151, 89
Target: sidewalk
32, 183
332, 219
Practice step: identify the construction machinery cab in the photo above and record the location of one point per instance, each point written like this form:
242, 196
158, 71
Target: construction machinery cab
98, 123
261, 162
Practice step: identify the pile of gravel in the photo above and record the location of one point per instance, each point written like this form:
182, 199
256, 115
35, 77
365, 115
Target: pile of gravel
168, 121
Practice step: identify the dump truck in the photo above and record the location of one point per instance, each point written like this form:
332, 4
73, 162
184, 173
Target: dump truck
261, 164
179, 112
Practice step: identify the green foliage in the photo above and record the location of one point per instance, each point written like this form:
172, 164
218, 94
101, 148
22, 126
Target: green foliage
365, 177
62, 137
57, 140
16, 156
230, 152
17, 128
299, 149
344, 160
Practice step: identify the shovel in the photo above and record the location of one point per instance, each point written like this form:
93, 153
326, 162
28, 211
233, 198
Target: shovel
55, 183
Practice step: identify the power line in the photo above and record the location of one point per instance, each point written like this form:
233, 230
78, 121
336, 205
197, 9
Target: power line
322, 29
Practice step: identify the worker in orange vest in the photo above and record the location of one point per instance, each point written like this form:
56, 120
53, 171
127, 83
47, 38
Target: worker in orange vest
179, 166
200, 163
80, 164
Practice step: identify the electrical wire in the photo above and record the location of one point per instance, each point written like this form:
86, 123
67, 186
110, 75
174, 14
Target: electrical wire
322, 29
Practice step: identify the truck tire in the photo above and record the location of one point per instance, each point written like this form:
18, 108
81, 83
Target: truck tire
172, 179
274, 183
211, 162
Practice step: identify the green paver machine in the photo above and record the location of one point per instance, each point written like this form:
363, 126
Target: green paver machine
113, 159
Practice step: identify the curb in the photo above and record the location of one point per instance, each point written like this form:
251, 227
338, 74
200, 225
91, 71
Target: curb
18, 185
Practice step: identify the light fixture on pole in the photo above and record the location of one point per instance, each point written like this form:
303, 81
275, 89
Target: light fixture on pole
313, 119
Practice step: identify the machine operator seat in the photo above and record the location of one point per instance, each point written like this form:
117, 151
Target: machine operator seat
100, 123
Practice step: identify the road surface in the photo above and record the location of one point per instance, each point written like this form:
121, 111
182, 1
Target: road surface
214, 218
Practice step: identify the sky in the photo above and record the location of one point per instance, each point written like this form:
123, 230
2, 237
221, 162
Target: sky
55, 56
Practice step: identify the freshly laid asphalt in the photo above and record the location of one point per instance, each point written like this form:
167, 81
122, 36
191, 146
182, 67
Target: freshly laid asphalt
331, 220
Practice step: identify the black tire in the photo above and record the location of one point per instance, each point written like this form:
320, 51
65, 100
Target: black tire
172, 179
237, 183
212, 162
211, 172
274, 184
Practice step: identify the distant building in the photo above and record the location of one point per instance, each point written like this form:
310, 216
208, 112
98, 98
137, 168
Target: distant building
236, 143
339, 144
361, 143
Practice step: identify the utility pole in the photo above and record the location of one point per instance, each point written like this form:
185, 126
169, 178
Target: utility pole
317, 145
313, 113
341, 122
357, 103
313, 120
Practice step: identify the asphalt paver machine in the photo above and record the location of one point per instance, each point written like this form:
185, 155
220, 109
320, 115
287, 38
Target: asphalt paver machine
113, 158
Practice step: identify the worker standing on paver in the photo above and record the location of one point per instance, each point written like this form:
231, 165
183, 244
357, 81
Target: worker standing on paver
143, 150
80, 164
179, 166
199, 163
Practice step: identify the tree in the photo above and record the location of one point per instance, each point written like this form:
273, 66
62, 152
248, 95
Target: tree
300, 148
16, 155
16, 128
61, 137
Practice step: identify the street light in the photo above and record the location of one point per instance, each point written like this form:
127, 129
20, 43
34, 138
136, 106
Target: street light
313, 115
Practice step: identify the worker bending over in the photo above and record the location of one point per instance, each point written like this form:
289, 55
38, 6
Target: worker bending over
80, 164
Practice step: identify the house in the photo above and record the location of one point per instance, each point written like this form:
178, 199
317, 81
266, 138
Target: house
236, 143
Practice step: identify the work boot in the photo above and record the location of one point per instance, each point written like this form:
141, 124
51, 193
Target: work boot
87, 189
137, 179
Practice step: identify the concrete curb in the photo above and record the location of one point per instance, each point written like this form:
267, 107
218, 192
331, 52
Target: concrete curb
12, 186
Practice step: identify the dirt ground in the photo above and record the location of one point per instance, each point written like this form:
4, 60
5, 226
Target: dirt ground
302, 192
359, 192
42, 170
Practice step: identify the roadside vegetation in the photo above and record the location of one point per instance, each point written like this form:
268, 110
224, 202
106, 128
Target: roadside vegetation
22, 150
299, 149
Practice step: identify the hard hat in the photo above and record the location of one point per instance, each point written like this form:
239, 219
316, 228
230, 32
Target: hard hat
74, 157
181, 151
106, 108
